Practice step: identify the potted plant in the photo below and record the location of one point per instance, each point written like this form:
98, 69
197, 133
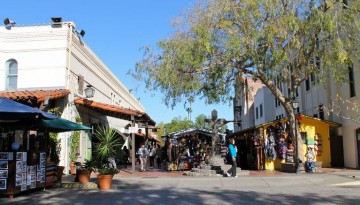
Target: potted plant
55, 147
83, 172
104, 151
74, 144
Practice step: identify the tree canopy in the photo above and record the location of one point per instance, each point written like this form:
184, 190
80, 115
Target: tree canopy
178, 124
278, 41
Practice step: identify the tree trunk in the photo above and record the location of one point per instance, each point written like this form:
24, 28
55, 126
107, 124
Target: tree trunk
295, 131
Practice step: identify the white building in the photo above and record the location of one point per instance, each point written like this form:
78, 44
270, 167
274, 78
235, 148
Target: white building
264, 104
50, 65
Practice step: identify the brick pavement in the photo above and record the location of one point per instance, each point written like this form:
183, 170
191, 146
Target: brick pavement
155, 173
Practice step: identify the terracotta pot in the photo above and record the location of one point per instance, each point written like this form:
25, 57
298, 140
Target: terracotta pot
83, 176
60, 172
72, 168
104, 181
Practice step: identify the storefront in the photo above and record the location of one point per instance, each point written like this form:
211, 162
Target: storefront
270, 147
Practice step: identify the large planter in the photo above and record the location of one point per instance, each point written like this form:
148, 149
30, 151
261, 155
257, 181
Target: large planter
83, 176
60, 172
104, 181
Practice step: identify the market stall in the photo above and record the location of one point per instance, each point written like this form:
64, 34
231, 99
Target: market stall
24, 151
188, 148
269, 146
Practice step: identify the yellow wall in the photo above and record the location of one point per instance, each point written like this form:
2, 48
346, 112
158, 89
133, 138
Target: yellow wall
311, 127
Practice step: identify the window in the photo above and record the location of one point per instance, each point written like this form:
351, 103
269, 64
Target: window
277, 102
351, 81
297, 92
257, 113
278, 83
307, 84
303, 137
237, 111
345, 2
80, 84
261, 110
12, 75
321, 112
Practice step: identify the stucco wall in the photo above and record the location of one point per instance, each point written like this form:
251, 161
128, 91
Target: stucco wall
40, 55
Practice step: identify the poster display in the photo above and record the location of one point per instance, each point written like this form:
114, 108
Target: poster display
4, 169
21, 169
25, 168
41, 168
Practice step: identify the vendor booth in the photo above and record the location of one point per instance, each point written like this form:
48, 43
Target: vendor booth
270, 146
24, 150
189, 148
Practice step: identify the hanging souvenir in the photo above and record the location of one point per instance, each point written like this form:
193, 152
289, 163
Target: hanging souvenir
281, 148
269, 144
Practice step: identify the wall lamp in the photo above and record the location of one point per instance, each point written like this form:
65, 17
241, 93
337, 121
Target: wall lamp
81, 33
8, 22
295, 104
89, 91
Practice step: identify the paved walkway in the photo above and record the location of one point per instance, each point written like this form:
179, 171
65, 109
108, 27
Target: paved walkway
333, 186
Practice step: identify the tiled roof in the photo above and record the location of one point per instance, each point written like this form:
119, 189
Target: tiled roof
151, 136
36, 96
115, 111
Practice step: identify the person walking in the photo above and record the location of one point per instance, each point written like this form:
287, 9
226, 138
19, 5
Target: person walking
152, 156
143, 153
233, 152
126, 156
158, 156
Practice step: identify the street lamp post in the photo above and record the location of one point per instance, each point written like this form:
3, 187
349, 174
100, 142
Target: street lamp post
295, 105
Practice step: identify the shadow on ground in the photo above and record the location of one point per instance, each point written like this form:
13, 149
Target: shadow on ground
135, 193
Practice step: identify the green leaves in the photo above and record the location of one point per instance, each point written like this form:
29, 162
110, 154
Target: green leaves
221, 38
107, 145
74, 145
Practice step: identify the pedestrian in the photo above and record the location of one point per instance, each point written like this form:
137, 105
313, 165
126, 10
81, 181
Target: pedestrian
158, 156
233, 152
126, 156
310, 160
143, 153
152, 156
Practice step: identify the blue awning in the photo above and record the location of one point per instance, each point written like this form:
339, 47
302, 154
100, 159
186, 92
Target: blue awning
11, 110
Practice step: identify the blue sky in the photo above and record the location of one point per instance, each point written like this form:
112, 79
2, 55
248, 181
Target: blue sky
116, 31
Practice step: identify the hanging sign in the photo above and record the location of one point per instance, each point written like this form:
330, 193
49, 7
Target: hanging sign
133, 129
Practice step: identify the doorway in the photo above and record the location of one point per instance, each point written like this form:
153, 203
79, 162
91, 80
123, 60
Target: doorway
337, 151
358, 146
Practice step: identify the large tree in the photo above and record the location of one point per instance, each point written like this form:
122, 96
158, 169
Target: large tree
277, 42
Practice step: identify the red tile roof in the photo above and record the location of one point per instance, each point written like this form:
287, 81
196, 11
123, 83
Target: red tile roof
37, 96
115, 111
151, 136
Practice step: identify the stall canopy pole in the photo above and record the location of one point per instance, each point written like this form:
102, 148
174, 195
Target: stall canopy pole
133, 145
